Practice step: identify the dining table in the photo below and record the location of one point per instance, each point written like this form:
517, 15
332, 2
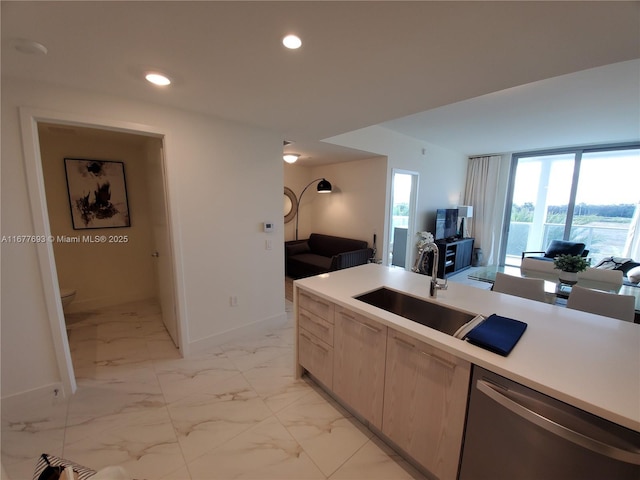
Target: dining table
557, 291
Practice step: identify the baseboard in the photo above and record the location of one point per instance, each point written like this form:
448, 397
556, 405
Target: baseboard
227, 336
82, 306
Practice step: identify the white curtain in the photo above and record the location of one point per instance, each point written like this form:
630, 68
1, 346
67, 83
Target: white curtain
632, 245
481, 193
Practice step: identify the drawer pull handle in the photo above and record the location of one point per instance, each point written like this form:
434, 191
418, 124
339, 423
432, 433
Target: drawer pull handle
373, 329
426, 354
314, 343
315, 322
404, 342
324, 304
441, 361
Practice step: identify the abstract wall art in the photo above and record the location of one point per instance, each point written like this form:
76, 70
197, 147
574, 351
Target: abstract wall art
97, 193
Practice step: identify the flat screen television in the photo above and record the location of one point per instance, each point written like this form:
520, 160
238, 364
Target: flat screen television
446, 223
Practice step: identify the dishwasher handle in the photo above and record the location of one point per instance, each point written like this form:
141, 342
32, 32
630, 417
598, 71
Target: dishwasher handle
557, 429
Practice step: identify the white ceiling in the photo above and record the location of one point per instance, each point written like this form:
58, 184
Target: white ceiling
361, 64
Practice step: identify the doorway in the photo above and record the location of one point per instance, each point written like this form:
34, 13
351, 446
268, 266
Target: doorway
31, 121
404, 187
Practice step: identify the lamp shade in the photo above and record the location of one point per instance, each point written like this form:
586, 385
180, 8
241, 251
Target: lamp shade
465, 211
324, 186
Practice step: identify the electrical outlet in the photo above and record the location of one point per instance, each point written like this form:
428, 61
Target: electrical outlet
57, 396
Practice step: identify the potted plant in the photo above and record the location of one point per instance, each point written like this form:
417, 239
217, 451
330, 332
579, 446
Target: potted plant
569, 266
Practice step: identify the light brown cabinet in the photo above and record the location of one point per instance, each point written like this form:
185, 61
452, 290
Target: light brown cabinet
425, 398
414, 393
359, 363
315, 336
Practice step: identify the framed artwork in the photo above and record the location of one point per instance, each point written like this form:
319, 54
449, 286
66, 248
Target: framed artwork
290, 205
97, 193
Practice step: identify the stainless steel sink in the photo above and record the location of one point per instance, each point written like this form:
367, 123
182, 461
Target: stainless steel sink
445, 319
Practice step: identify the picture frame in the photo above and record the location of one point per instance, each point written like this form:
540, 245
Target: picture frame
97, 193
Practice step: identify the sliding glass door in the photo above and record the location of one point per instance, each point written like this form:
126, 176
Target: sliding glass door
585, 195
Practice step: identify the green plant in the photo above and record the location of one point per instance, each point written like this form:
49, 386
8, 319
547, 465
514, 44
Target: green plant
570, 263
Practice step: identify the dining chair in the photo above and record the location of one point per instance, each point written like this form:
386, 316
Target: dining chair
602, 278
606, 304
531, 288
530, 267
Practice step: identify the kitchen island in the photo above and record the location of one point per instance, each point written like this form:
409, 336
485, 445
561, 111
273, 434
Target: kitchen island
584, 360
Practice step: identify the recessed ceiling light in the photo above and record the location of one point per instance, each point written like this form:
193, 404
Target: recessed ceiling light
29, 47
290, 157
157, 79
292, 42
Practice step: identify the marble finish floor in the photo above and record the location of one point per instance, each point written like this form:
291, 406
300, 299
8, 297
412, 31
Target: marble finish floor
235, 412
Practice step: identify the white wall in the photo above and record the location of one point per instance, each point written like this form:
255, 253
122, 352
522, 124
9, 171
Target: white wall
354, 209
217, 173
101, 274
442, 172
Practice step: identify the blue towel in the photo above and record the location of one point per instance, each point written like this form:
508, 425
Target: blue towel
497, 334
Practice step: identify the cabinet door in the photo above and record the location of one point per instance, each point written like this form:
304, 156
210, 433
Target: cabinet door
464, 253
359, 363
425, 398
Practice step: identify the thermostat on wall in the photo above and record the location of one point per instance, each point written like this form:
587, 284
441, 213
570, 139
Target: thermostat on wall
268, 227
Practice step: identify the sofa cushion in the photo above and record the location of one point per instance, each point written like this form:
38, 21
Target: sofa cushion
298, 248
634, 275
328, 246
310, 263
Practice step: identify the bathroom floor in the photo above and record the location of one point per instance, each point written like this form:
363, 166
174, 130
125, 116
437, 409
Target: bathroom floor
233, 412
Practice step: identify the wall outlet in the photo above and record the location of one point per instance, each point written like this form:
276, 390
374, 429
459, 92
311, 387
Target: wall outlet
233, 301
56, 395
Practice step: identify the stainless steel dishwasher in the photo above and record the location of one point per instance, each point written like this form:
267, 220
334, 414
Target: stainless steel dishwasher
514, 433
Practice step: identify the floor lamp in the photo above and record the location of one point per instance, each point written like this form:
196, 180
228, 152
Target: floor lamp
323, 187
464, 211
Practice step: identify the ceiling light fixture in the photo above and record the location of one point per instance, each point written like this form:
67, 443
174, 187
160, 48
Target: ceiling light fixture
290, 157
158, 79
292, 42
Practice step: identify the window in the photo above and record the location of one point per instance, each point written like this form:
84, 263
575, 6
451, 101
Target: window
587, 195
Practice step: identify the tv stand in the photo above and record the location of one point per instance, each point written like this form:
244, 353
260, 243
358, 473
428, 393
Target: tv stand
454, 256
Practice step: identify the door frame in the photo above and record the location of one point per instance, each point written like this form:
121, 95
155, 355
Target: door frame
29, 120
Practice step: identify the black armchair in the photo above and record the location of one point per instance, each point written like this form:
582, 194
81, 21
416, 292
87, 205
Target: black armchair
559, 247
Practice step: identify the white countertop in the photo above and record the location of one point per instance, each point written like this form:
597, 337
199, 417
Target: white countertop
586, 360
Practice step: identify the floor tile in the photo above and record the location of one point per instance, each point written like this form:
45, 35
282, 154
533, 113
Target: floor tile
236, 411
376, 461
326, 431
266, 451
206, 420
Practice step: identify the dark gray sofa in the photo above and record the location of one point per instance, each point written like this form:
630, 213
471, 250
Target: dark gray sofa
324, 253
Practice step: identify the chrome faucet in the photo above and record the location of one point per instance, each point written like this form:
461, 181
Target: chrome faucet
435, 284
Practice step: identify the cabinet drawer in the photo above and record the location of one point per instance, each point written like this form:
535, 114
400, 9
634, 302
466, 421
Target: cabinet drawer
316, 305
316, 357
316, 325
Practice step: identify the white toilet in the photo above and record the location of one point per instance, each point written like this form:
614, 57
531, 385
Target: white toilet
67, 295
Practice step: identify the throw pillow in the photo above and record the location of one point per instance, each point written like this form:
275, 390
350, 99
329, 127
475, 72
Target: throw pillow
612, 263
52, 461
634, 275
